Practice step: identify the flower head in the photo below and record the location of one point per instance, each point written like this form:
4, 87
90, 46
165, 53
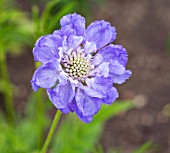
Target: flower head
80, 66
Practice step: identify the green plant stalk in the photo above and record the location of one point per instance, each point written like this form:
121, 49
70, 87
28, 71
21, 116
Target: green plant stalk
39, 116
7, 88
39, 113
51, 132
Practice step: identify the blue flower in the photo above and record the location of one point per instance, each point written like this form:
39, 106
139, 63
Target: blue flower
80, 66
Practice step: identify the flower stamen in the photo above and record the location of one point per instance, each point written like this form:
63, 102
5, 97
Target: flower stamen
77, 65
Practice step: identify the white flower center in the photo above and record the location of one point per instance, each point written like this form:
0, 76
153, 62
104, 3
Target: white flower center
77, 65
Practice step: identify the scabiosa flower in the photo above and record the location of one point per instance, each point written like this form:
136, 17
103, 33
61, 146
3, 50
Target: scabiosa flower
80, 66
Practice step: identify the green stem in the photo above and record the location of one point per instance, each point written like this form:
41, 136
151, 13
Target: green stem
7, 88
40, 113
39, 116
51, 132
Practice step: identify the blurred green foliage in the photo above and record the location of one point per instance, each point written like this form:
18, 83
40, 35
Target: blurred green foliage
72, 136
16, 29
23, 137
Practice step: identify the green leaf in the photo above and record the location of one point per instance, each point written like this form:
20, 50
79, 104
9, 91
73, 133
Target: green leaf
54, 20
145, 148
107, 111
46, 13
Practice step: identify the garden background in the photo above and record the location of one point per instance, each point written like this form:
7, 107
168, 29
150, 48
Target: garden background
143, 27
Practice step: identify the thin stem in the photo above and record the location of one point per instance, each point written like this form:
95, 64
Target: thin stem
7, 88
51, 132
39, 116
40, 113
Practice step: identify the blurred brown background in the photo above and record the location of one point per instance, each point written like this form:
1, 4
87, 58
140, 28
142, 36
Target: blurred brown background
143, 27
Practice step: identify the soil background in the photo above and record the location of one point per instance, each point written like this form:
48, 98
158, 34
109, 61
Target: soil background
143, 28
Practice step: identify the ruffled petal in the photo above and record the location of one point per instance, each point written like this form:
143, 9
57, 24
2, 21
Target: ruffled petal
74, 108
87, 106
116, 68
75, 22
101, 70
43, 54
93, 93
119, 79
97, 59
89, 47
101, 33
86, 119
112, 95
114, 52
104, 85
74, 41
117, 57
62, 96
64, 31
99, 83
46, 48
46, 75
70, 44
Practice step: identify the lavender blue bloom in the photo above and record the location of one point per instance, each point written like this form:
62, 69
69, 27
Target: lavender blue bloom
80, 66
